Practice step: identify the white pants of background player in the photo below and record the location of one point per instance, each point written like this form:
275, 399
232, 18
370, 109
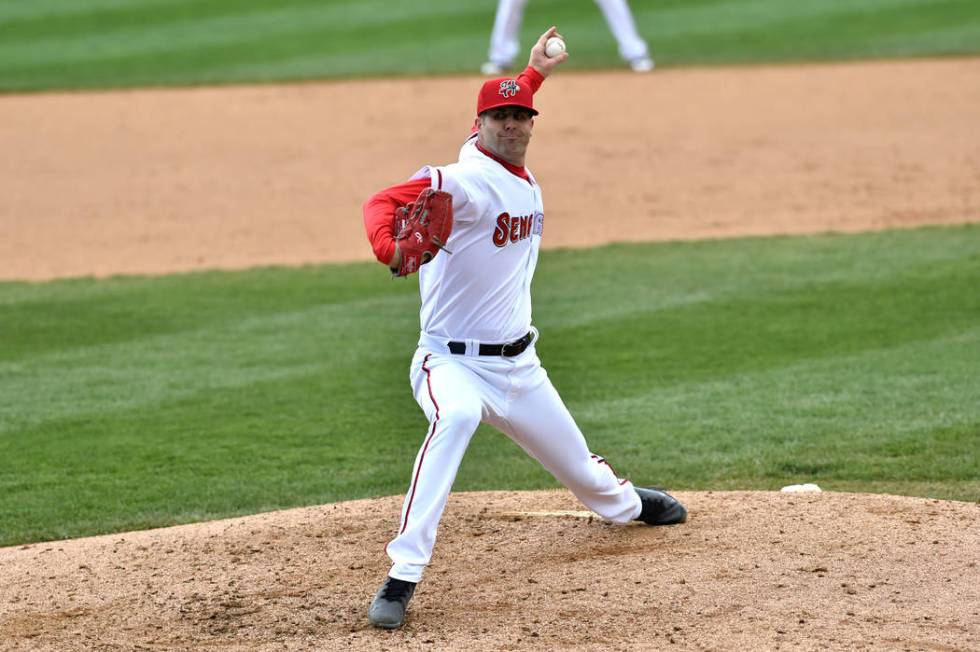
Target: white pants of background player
504, 43
457, 392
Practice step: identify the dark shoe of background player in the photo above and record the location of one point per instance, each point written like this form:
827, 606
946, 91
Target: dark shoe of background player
388, 607
659, 507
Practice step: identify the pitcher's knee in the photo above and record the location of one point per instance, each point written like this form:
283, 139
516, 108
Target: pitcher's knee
460, 416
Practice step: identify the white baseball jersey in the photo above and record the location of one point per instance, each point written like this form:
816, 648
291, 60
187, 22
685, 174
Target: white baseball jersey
482, 291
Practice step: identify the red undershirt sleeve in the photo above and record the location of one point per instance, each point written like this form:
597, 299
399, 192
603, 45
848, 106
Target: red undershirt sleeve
379, 215
532, 78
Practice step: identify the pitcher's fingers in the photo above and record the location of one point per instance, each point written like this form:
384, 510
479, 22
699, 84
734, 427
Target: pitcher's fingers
547, 35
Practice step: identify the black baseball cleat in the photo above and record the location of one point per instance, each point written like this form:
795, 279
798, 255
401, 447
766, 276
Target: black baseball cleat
388, 607
659, 507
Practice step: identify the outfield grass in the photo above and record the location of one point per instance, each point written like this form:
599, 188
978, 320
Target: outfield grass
49, 44
850, 361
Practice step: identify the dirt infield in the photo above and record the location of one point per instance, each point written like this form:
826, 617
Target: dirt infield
173, 180
749, 571
156, 181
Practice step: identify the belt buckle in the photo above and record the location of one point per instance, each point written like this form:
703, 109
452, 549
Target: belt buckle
511, 349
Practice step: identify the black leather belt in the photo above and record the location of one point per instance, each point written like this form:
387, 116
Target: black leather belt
508, 350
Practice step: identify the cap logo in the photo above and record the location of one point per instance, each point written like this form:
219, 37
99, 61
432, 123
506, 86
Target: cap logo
509, 88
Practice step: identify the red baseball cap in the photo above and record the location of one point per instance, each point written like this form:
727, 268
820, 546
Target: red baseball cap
505, 91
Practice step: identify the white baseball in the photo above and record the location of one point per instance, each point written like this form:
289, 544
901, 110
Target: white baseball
554, 46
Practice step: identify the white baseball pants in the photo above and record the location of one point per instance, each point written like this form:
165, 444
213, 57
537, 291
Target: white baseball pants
515, 395
505, 43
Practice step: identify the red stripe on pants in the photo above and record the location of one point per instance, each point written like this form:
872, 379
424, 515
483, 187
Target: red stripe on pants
418, 470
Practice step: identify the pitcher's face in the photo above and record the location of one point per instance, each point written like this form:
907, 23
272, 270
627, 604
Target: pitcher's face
506, 131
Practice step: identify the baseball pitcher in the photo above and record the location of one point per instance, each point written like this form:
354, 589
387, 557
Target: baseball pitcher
472, 230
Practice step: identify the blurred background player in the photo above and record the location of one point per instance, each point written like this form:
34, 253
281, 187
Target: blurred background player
505, 45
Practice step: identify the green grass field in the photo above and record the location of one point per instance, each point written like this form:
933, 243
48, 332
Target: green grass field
51, 44
132, 402
850, 361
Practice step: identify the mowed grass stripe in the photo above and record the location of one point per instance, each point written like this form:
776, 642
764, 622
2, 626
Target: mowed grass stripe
112, 38
801, 36
105, 44
17, 14
57, 316
121, 21
846, 360
895, 403
194, 43
953, 39
144, 371
711, 18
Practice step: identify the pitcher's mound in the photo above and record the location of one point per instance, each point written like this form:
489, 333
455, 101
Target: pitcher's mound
519, 570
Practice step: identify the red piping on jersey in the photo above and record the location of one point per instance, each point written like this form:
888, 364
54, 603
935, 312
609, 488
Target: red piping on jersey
425, 447
516, 170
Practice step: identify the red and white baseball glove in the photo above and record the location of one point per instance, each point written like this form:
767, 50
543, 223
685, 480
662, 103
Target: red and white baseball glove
422, 228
